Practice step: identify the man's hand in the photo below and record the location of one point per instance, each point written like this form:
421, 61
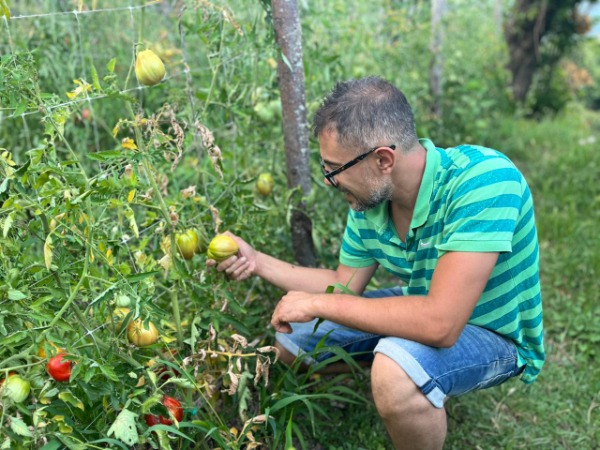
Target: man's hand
240, 266
293, 307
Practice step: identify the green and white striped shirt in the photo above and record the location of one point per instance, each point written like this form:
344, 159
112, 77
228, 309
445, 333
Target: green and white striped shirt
471, 199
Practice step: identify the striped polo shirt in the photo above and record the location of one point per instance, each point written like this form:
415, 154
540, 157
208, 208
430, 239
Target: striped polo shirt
471, 199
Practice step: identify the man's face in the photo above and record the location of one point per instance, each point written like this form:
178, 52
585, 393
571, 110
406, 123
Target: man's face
361, 184
371, 195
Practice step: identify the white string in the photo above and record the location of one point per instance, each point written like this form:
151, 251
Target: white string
62, 13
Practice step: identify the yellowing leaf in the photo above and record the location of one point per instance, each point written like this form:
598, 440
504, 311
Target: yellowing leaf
68, 397
129, 144
131, 196
132, 223
48, 251
62, 426
81, 88
8, 224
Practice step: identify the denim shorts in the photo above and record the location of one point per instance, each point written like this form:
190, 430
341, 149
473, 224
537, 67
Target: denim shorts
478, 360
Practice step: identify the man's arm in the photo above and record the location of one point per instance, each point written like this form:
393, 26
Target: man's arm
436, 319
290, 277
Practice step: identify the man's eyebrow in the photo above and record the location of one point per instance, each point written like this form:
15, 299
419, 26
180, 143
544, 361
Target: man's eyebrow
330, 163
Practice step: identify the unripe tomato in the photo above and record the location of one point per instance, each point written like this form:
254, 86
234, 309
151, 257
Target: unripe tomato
118, 317
265, 183
222, 247
149, 68
58, 369
187, 243
122, 301
16, 388
139, 335
174, 407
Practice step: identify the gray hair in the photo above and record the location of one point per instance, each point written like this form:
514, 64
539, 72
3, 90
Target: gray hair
367, 112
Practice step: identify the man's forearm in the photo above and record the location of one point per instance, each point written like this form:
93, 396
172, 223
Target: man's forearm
291, 277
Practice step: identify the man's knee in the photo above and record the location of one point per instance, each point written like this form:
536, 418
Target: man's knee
394, 392
285, 356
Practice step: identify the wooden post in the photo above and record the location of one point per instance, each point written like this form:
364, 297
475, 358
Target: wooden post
290, 74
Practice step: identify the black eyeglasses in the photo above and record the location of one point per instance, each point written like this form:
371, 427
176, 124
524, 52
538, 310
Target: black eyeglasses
329, 175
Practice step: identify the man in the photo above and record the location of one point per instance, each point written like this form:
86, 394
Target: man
457, 228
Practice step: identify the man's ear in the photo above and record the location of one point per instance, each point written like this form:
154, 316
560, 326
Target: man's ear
385, 158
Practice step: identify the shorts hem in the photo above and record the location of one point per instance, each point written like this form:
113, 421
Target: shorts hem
414, 370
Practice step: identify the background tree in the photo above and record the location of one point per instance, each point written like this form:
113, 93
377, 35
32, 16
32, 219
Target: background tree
538, 34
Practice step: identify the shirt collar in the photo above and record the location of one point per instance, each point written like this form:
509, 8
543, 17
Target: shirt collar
379, 215
432, 163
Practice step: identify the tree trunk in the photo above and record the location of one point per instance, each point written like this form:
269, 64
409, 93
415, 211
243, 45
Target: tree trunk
530, 21
436, 69
290, 74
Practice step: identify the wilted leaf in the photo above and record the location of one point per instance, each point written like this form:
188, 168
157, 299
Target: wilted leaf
124, 427
129, 144
8, 224
68, 397
132, 223
48, 252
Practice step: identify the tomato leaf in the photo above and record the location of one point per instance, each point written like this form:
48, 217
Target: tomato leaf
52, 445
19, 427
124, 427
106, 155
109, 372
14, 294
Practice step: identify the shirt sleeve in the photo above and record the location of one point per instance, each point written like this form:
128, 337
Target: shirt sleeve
353, 252
483, 208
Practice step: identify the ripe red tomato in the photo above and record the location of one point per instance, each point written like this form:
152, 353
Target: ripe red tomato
58, 369
151, 419
174, 407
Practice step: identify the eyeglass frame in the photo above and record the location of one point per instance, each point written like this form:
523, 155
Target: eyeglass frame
329, 175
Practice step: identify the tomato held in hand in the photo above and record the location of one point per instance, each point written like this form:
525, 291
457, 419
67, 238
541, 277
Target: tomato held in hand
58, 369
174, 407
222, 247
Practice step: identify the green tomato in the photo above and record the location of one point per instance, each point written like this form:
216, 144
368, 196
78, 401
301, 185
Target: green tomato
187, 243
17, 388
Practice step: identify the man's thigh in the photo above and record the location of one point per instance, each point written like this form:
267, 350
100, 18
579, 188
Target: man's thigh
479, 359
